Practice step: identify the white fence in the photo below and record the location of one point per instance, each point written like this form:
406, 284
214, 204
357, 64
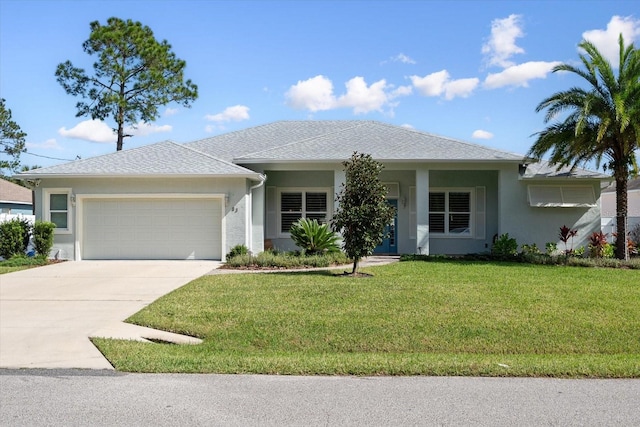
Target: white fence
4, 217
608, 225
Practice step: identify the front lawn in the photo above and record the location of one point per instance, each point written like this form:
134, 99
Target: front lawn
410, 318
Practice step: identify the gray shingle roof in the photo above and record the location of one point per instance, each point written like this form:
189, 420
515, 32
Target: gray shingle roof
291, 141
543, 169
163, 158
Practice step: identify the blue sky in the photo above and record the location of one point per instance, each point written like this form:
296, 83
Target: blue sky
471, 70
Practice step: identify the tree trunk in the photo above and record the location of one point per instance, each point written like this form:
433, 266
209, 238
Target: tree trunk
622, 251
356, 262
120, 137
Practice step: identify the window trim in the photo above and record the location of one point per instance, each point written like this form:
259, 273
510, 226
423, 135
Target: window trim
47, 208
472, 211
303, 191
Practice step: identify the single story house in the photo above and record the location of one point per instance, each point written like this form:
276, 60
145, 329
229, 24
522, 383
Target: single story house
15, 199
608, 207
198, 200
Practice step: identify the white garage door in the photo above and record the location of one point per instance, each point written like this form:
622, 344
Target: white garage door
151, 229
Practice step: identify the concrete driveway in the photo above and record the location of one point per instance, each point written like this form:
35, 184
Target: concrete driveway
47, 314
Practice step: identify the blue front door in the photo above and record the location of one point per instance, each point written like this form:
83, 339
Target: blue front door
390, 244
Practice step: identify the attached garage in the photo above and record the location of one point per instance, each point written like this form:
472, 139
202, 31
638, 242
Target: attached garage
152, 227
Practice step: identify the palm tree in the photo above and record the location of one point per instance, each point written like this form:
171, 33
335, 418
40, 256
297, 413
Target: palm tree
600, 123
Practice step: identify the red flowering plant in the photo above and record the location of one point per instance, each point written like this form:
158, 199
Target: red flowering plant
567, 233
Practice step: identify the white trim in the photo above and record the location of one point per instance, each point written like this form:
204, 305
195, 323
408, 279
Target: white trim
447, 190
80, 198
47, 192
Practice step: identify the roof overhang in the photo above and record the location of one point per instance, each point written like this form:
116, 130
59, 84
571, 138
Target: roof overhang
24, 177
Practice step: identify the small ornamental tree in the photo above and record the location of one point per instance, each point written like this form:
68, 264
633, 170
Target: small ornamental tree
363, 211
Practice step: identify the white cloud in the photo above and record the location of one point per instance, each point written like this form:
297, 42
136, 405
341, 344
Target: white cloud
49, 144
406, 126
144, 129
235, 113
460, 88
90, 130
431, 84
481, 134
440, 83
170, 112
401, 57
519, 75
363, 98
314, 94
98, 131
607, 40
502, 43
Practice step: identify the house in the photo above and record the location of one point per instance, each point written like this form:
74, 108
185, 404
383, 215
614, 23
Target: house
15, 199
197, 200
608, 207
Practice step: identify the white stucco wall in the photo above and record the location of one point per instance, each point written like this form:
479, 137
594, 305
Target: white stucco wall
538, 225
234, 190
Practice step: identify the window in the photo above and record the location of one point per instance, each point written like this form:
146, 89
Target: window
294, 205
450, 212
57, 209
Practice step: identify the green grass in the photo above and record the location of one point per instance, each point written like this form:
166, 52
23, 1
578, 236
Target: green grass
18, 263
410, 318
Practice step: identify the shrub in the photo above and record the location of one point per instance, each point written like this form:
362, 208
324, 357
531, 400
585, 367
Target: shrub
597, 242
272, 260
565, 234
505, 246
43, 237
530, 249
237, 250
313, 237
551, 248
14, 237
579, 252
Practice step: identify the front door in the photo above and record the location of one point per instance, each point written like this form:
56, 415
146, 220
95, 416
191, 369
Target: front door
390, 244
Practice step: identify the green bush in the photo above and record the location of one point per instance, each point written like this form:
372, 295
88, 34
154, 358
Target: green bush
237, 250
273, 260
313, 237
551, 247
530, 249
14, 237
43, 237
505, 246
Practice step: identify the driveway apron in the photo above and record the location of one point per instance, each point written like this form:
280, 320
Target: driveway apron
47, 314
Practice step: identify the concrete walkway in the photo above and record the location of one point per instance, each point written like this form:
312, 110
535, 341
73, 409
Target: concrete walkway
48, 313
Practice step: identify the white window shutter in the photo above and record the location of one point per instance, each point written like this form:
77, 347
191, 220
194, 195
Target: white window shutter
481, 213
272, 212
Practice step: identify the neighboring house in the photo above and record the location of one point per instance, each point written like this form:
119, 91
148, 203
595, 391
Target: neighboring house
198, 200
608, 207
15, 199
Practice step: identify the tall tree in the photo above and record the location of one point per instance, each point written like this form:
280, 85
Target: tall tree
363, 211
12, 141
134, 74
600, 122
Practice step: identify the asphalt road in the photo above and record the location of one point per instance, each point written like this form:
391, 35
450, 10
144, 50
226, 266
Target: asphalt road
107, 398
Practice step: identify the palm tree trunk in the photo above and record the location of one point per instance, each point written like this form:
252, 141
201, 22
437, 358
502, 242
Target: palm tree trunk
622, 251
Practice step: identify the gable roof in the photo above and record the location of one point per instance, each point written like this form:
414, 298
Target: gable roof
308, 140
14, 193
160, 159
